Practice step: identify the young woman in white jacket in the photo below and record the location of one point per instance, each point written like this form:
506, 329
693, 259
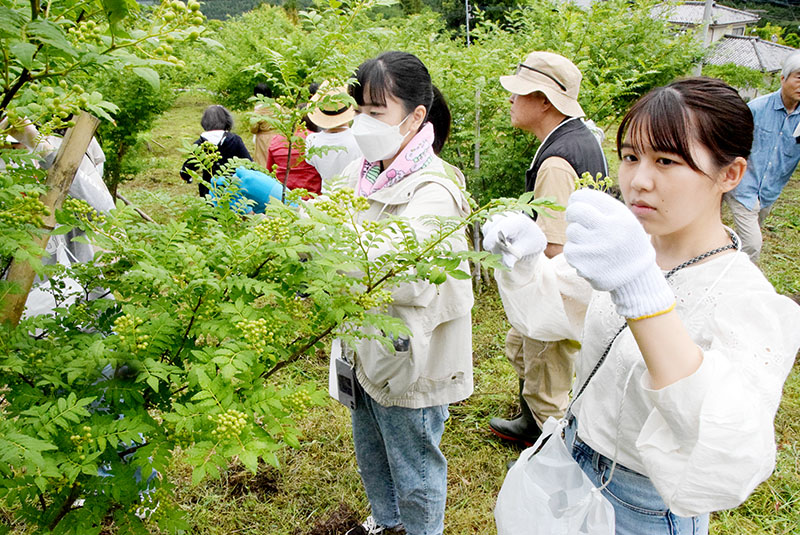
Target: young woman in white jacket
686, 398
403, 394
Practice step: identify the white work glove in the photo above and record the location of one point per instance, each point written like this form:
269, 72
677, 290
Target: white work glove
513, 236
608, 247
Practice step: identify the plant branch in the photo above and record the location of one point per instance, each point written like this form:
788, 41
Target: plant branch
188, 329
66, 506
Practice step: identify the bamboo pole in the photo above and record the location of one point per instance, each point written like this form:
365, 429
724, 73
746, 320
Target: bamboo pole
59, 179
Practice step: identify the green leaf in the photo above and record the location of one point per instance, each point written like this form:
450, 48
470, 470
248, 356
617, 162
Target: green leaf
11, 22
116, 10
48, 33
249, 460
152, 382
148, 75
24, 53
460, 275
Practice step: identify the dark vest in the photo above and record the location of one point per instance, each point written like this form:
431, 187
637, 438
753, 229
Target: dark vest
575, 143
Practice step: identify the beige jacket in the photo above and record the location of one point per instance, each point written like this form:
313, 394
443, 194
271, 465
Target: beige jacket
437, 367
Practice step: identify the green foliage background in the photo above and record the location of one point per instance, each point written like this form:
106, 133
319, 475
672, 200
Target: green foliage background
210, 303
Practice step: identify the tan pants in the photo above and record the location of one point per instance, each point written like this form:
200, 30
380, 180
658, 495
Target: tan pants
748, 225
547, 368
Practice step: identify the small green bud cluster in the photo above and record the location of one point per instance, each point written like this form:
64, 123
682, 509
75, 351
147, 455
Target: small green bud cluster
299, 400
126, 327
85, 31
83, 210
182, 14
341, 203
257, 334
206, 340
209, 153
376, 299
229, 424
83, 442
26, 209
272, 229
598, 182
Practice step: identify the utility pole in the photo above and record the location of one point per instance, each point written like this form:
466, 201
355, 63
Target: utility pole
466, 18
698, 70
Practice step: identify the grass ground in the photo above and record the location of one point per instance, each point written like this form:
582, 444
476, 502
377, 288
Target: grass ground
318, 486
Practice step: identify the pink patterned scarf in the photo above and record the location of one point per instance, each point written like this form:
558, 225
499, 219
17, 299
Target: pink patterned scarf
415, 156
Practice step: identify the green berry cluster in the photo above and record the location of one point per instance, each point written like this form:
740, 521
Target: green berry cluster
598, 182
206, 340
60, 101
341, 203
299, 400
376, 299
26, 209
208, 154
272, 229
83, 442
257, 334
229, 424
85, 31
83, 211
126, 327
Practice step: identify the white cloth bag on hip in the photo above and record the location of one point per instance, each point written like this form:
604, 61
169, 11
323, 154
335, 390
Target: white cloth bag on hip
547, 493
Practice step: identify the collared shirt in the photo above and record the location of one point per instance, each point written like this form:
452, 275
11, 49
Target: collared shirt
775, 152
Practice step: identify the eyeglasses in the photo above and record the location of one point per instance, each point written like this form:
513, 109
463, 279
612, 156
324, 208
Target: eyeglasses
558, 83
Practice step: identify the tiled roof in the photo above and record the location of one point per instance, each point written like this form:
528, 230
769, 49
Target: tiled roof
749, 52
691, 13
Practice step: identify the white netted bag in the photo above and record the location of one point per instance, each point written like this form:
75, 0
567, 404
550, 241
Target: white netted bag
547, 493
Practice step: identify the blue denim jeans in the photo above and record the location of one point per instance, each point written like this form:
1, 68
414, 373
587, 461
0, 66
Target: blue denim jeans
403, 470
638, 507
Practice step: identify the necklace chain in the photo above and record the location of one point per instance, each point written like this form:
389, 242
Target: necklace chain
733, 245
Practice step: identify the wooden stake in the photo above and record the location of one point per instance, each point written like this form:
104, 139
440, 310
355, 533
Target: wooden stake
59, 180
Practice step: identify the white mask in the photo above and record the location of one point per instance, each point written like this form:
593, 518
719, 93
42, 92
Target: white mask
376, 139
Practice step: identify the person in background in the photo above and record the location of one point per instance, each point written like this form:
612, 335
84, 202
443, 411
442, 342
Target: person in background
301, 173
544, 102
403, 394
262, 131
217, 123
688, 343
775, 154
336, 137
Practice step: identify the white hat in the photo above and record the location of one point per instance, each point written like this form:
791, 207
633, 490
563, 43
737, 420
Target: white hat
555, 76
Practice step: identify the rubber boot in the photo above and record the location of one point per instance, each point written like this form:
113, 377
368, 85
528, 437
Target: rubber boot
523, 429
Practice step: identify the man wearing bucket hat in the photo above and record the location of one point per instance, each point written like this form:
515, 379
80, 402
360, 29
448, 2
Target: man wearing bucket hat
544, 101
333, 114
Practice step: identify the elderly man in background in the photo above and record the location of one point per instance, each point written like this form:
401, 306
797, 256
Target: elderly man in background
544, 102
774, 157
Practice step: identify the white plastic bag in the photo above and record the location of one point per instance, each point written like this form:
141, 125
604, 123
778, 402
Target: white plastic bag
547, 493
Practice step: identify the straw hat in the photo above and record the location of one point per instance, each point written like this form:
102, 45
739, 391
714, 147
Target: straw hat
555, 76
331, 114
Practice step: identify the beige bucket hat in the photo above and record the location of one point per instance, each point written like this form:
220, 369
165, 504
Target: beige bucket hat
331, 114
554, 75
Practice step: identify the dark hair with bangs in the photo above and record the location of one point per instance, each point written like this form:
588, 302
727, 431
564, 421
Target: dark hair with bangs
707, 110
404, 77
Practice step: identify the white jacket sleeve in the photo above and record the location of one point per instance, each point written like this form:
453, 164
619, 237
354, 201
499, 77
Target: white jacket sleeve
709, 440
544, 298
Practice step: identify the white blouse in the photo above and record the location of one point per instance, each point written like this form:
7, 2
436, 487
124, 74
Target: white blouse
707, 440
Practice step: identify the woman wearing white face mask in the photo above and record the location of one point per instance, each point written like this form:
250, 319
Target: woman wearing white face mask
403, 394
